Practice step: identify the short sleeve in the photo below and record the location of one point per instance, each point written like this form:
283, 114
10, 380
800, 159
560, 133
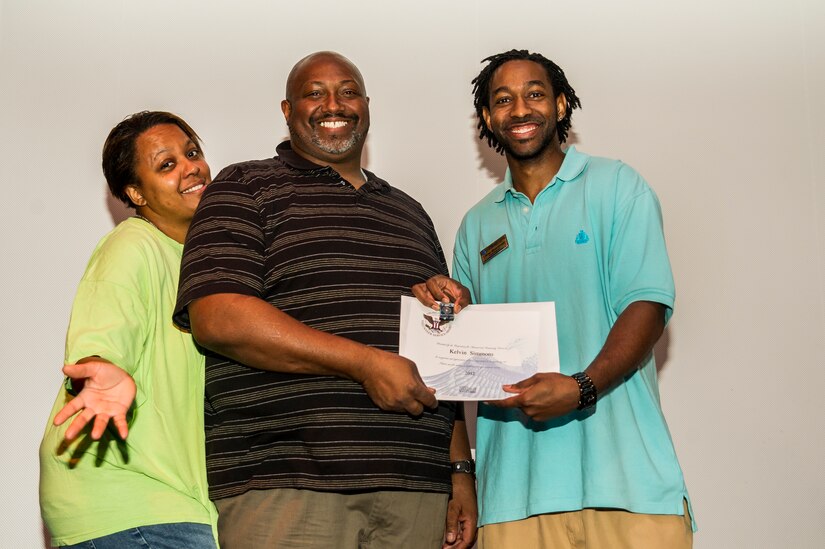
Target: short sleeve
109, 316
461, 260
224, 248
639, 264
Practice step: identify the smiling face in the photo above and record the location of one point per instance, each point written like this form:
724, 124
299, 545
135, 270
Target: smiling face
523, 110
172, 175
326, 109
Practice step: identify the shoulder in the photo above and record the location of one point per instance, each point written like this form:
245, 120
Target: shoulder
608, 173
403, 198
244, 184
128, 238
251, 176
615, 192
394, 197
125, 252
613, 182
252, 170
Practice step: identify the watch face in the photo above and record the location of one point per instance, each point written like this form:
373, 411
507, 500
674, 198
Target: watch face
464, 466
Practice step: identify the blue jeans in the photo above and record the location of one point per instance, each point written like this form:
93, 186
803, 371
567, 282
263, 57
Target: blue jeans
177, 535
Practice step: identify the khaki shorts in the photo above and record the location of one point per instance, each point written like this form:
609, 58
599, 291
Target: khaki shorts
591, 529
287, 518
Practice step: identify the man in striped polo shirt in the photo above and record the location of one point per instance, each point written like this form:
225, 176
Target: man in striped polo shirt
318, 433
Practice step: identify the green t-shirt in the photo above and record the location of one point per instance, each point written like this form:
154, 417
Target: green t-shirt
123, 313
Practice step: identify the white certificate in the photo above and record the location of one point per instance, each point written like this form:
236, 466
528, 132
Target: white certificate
485, 347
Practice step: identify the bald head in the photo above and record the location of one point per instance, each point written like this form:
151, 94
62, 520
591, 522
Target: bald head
307, 65
327, 110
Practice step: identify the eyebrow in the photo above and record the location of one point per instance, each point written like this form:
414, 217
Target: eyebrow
155, 156
320, 83
528, 84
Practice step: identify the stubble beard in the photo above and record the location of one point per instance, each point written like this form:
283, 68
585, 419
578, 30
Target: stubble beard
330, 145
545, 143
336, 145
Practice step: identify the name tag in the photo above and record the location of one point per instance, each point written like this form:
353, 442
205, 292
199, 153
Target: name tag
494, 249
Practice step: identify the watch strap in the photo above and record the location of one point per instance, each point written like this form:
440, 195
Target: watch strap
467, 466
587, 391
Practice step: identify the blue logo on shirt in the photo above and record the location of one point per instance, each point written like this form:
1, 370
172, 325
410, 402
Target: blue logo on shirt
582, 238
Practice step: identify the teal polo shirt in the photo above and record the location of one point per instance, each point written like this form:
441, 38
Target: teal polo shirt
592, 243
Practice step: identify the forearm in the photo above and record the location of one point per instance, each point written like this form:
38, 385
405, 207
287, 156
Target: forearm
460, 441
548, 395
630, 340
253, 332
464, 486
462, 510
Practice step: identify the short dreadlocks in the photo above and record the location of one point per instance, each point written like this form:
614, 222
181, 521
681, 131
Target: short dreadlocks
481, 91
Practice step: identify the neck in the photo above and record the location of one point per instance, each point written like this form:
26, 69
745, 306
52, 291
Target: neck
348, 168
173, 230
531, 175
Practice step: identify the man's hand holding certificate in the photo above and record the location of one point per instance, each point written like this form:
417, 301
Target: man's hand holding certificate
482, 349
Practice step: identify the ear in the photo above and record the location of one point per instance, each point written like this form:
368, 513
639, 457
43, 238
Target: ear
286, 108
561, 106
134, 195
485, 114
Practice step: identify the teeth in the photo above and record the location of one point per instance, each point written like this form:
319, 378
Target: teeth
193, 189
523, 129
335, 124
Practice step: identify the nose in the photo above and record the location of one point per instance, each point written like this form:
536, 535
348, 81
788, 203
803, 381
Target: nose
191, 167
519, 108
331, 103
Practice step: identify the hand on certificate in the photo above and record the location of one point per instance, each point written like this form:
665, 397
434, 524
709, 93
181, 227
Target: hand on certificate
542, 396
394, 384
441, 289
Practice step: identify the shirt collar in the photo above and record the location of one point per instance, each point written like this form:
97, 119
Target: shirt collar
294, 160
571, 167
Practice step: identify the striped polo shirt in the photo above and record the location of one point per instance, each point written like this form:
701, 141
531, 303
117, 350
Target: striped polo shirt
338, 259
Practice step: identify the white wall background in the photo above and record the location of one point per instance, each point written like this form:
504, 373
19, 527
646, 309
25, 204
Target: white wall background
719, 103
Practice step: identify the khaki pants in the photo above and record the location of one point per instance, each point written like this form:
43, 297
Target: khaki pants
590, 529
287, 518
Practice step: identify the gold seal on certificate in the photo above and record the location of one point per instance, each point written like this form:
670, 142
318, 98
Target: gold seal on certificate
481, 349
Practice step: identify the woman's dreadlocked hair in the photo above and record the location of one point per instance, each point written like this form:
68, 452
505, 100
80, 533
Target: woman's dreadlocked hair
481, 91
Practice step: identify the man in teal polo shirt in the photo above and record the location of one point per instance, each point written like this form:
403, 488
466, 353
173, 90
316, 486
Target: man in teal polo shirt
556, 468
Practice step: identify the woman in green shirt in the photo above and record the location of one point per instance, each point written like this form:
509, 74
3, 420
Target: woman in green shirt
126, 362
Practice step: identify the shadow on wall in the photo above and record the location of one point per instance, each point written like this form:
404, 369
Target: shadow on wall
490, 163
117, 209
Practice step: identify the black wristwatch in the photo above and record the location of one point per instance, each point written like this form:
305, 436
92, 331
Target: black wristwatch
467, 466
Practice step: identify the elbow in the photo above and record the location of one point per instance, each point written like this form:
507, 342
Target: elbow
205, 321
